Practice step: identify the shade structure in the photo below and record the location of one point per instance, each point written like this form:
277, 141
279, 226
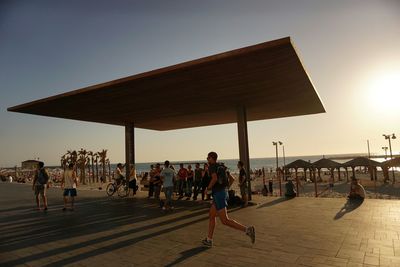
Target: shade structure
299, 164
391, 163
258, 82
361, 161
326, 163
267, 79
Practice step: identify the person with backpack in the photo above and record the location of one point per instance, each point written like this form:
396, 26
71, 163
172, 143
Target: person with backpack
69, 182
39, 185
218, 185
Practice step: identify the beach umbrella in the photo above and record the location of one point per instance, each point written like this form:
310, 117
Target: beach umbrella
303, 165
386, 165
361, 161
391, 163
328, 164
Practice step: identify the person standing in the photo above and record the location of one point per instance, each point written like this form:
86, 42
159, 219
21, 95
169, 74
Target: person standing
243, 183
157, 181
182, 175
69, 182
189, 182
219, 184
167, 178
204, 183
197, 180
133, 180
151, 185
39, 185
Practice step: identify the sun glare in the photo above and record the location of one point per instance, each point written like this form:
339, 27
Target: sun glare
384, 93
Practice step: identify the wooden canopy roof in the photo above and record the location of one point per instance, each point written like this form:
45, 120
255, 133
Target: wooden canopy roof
299, 164
268, 79
326, 163
395, 162
361, 161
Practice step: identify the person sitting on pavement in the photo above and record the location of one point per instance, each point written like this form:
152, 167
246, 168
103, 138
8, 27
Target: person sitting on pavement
290, 191
357, 191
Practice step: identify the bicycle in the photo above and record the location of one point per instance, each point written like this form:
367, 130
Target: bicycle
121, 187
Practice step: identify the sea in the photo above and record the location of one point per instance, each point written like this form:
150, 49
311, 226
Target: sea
255, 163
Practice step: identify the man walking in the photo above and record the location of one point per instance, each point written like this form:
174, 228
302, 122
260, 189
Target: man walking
219, 184
39, 185
167, 178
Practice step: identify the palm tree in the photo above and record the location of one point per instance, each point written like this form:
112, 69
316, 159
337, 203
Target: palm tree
103, 157
64, 161
91, 155
88, 166
109, 168
72, 156
82, 162
97, 166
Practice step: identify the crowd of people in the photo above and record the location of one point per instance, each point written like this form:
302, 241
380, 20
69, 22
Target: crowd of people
190, 184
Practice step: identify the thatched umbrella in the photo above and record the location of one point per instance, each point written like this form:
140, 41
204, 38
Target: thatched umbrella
389, 164
364, 162
328, 164
300, 164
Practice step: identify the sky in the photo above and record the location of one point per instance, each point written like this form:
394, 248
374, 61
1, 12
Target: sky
350, 49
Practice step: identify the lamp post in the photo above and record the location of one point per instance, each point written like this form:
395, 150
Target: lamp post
277, 166
283, 150
389, 137
385, 148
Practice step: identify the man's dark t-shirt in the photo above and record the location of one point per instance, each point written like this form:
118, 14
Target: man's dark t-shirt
242, 177
217, 186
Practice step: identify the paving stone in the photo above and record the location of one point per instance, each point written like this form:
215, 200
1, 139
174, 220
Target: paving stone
135, 232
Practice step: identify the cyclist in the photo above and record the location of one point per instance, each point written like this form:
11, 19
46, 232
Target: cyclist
118, 172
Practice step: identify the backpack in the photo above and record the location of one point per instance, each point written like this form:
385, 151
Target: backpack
222, 175
43, 177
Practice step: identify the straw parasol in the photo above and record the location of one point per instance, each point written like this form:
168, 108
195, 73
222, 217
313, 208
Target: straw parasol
364, 162
327, 164
301, 164
386, 165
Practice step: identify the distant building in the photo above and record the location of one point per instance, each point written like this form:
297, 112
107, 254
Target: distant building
29, 164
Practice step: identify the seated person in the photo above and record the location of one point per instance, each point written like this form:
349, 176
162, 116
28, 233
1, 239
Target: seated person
357, 191
290, 191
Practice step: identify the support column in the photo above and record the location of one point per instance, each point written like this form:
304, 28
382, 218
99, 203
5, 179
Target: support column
244, 144
129, 148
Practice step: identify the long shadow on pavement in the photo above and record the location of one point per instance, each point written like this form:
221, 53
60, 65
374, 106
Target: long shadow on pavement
274, 202
349, 206
23, 229
187, 254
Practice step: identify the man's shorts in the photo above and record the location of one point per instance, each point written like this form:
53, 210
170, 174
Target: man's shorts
220, 199
40, 189
168, 193
69, 192
243, 190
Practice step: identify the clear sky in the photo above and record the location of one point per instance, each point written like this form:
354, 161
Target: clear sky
349, 48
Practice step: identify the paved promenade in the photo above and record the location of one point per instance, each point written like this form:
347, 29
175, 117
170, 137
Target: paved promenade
106, 231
